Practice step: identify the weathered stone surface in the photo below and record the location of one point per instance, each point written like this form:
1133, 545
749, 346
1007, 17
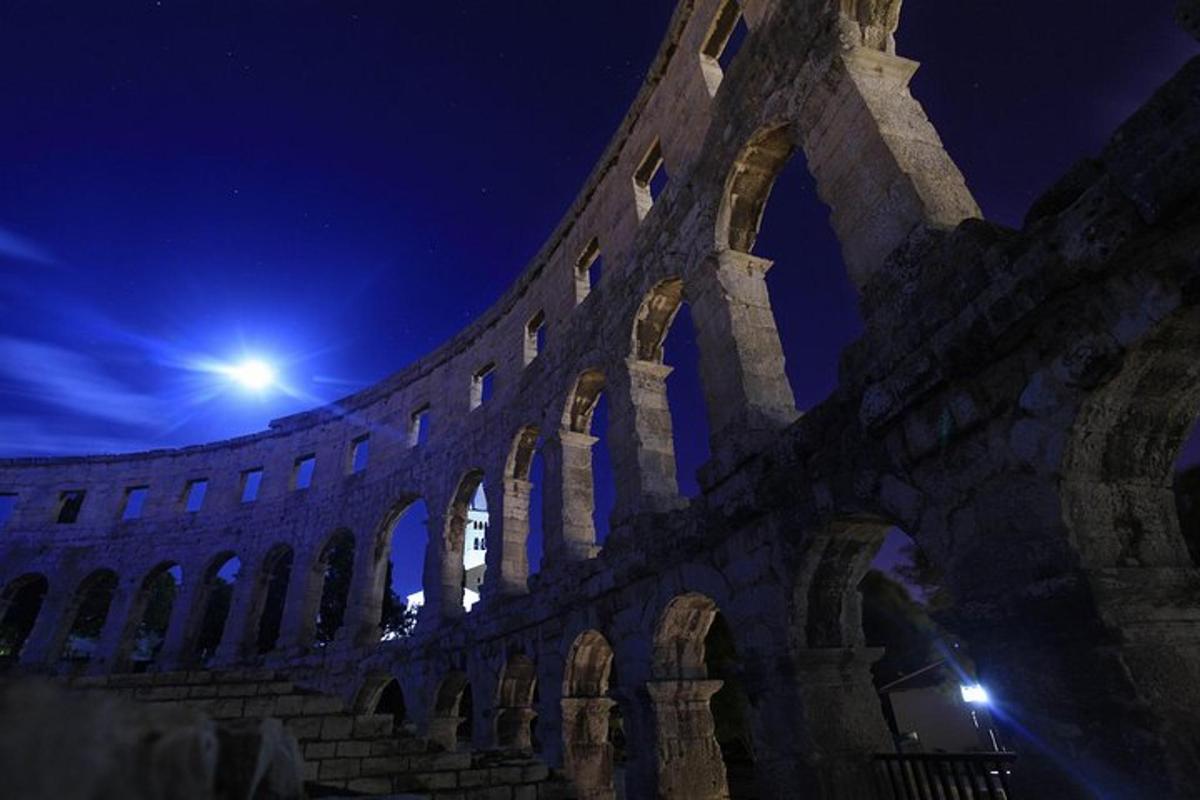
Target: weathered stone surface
1016, 402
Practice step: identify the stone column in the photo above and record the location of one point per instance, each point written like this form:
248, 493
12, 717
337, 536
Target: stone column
507, 573
443, 731
44, 643
112, 635
690, 765
588, 756
877, 160
817, 722
569, 501
299, 609
364, 600
746, 389
640, 440
514, 727
237, 639
186, 615
442, 579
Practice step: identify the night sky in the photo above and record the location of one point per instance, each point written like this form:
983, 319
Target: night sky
340, 186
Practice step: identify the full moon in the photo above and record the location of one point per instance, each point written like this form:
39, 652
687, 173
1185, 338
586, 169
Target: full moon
253, 374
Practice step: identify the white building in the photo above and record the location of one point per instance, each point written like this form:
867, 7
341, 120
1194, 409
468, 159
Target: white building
474, 553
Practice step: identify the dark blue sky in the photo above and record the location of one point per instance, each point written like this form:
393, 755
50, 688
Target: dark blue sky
340, 186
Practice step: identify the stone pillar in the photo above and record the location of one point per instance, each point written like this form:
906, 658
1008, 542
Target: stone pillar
640, 440
187, 612
298, 624
513, 727
443, 731
877, 160
507, 573
117, 624
364, 600
569, 500
237, 639
746, 389
442, 579
588, 755
690, 765
817, 722
44, 643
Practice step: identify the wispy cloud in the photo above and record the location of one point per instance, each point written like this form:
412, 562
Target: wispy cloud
21, 249
27, 436
50, 374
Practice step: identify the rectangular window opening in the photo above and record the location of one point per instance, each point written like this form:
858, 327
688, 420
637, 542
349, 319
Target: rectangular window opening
418, 429
251, 480
535, 336
304, 471
650, 179
724, 41
483, 383
70, 503
8, 506
588, 270
194, 494
135, 501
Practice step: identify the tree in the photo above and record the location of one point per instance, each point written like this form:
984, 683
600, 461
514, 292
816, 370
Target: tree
892, 619
397, 619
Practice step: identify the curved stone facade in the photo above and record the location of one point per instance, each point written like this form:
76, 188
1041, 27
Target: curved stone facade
1015, 404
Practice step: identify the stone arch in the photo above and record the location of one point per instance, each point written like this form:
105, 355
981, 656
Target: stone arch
582, 400
514, 703
748, 186
86, 615
586, 713
149, 616
376, 569
328, 589
654, 318
690, 760
1125, 438
508, 553
830, 601
269, 602
450, 714
570, 493
20, 605
381, 693
444, 586
212, 604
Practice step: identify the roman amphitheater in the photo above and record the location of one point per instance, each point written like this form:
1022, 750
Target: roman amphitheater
1016, 404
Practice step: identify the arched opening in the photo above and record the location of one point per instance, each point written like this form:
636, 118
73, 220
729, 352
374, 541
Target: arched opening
150, 617
462, 561
580, 489
868, 584
514, 704
588, 711
906, 610
521, 549
810, 277
664, 334
405, 540
214, 602
90, 611
382, 694
272, 589
730, 710
451, 723
336, 568
20, 604
690, 757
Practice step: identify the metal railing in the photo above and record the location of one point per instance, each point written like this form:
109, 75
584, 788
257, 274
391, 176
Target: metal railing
945, 776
